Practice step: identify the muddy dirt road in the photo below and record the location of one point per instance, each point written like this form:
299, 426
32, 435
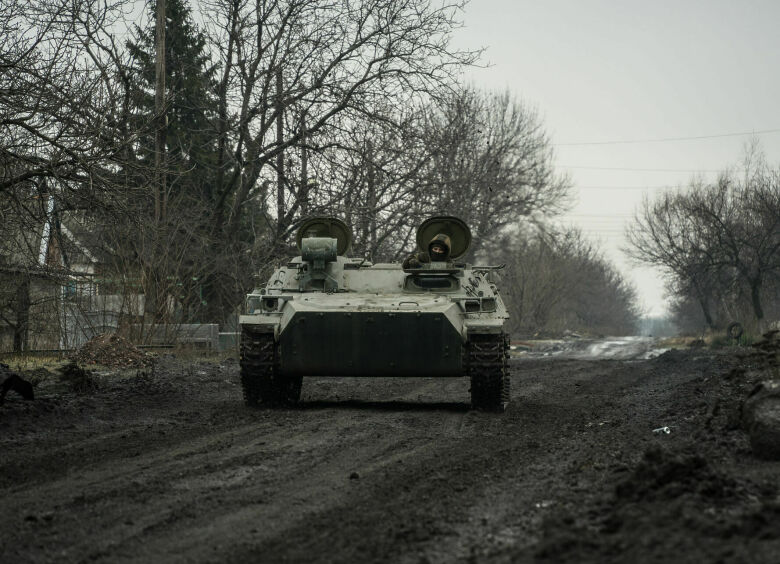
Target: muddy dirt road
172, 467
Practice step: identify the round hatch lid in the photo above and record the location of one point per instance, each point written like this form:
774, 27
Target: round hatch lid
326, 227
456, 229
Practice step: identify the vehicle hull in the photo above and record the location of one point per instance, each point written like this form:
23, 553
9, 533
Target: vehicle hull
323, 314
374, 343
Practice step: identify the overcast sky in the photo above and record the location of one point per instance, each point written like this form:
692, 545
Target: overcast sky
630, 70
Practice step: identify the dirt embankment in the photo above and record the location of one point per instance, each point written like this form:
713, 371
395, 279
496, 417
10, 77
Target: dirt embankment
169, 465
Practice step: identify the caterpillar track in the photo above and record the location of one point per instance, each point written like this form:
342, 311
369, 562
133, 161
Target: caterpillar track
486, 363
260, 377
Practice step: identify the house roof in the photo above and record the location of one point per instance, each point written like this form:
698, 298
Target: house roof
43, 238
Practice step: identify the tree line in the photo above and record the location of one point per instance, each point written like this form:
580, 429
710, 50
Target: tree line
272, 111
719, 244
558, 282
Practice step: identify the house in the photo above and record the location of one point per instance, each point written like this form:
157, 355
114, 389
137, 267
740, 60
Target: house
57, 289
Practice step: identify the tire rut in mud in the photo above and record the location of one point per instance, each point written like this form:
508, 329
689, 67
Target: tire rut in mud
381, 470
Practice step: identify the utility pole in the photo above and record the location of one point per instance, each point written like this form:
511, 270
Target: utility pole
154, 272
303, 193
160, 189
371, 196
280, 155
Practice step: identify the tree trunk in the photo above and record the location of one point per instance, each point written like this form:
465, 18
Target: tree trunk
704, 303
705, 309
22, 307
755, 298
222, 112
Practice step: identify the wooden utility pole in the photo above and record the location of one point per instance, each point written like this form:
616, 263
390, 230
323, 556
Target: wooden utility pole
303, 193
160, 189
280, 155
153, 273
371, 196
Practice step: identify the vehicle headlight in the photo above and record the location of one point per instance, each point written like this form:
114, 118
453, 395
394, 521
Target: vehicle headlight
252, 303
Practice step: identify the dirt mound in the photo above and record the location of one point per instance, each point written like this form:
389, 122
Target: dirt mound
767, 350
662, 475
81, 381
761, 419
671, 356
769, 341
673, 506
109, 349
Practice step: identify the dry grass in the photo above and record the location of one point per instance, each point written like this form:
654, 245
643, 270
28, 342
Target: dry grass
711, 340
193, 353
679, 342
22, 361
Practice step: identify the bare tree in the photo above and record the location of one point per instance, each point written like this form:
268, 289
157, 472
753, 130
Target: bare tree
557, 280
714, 239
372, 172
284, 59
482, 157
742, 219
666, 234
314, 106
491, 162
59, 101
61, 150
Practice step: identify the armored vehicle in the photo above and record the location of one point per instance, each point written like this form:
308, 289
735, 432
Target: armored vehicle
324, 314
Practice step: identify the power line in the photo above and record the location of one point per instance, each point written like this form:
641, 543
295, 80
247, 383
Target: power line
642, 169
614, 227
668, 139
600, 224
621, 217
613, 217
658, 187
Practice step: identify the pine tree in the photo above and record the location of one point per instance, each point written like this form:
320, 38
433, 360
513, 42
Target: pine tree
183, 257
190, 102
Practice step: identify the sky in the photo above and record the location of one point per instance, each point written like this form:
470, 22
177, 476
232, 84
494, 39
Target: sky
611, 79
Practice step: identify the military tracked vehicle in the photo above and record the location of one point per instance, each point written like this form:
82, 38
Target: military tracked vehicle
324, 314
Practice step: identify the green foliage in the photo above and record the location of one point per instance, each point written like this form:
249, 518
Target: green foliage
189, 98
746, 339
720, 341
204, 257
